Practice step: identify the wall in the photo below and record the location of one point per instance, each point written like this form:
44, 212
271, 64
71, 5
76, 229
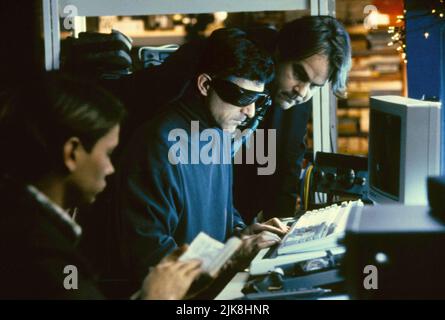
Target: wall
425, 68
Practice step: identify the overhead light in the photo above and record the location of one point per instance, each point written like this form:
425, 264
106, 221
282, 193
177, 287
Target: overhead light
220, 16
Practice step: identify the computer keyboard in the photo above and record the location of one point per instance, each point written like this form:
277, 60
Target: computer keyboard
314, 235
317, 229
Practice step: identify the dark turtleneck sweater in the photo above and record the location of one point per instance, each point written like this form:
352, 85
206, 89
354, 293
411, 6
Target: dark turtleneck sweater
161, 205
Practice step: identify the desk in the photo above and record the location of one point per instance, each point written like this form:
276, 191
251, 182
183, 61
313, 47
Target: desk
233, 289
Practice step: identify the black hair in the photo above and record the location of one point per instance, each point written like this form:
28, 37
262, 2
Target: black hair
228, 52
38, 118
306, 36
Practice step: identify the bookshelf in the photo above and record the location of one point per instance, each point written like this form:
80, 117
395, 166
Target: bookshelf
323, 103
376, 70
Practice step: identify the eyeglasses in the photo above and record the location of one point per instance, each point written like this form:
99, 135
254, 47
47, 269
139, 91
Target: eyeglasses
240, 97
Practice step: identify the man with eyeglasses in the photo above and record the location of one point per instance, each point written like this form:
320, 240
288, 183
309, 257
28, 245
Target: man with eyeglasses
309, 52
166, 197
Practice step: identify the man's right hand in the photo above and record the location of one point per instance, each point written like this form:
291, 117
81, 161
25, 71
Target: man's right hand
249, 248
170, 279
254, 243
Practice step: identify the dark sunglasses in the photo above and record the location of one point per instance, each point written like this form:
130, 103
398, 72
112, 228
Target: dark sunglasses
240, 97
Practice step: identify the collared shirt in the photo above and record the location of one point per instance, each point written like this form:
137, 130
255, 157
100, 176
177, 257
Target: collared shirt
57, 210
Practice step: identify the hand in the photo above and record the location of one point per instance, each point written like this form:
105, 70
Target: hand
249, 248
254, 243
273, 225
170, 279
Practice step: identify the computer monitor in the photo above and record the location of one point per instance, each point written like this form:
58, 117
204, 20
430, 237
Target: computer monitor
404, 148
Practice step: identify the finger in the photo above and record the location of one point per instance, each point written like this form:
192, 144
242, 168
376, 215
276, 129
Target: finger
174, 266
247, 237
266, 244
194, 273
247, 242
164, 264
277, 223
265, 227
269, 236
190, 265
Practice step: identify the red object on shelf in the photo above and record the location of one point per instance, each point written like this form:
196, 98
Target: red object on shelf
393, 8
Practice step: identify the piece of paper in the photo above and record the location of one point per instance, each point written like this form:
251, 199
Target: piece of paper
211, 252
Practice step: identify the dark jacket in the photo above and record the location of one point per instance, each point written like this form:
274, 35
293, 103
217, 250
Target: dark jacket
36, 245
161, 205
275, 194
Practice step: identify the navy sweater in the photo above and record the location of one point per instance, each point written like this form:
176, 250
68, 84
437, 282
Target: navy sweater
162, 205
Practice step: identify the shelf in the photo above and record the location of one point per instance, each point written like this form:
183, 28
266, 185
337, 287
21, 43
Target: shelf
353, 135
375, 52
377, 70
88, 8
158, 38
347, 106
381, 77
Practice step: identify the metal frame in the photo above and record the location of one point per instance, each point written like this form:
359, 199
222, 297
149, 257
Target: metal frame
324, 105
51, 31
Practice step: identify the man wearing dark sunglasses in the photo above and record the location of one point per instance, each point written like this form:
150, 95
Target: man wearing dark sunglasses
162, 204
234, 92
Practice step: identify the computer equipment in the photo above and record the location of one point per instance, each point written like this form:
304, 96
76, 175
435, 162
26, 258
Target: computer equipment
341, 175
403, 245
404, 148
314, 235
288, 294
155, 56
436, 190
317, 229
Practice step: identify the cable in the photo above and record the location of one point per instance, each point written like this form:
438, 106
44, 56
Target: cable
304, 188
307, 185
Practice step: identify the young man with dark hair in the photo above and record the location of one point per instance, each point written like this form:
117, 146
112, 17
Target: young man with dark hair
58, 135
167, 192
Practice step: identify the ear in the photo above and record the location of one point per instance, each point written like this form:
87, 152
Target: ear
203, 83
71, 154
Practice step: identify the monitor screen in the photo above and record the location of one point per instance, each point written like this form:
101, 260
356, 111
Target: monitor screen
404, 148
385, 157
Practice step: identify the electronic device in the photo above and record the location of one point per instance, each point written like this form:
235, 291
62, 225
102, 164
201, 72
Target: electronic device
394, 252
290, 285
436, 190
155, 56
404, 148
341, 174
287, 294
314, 235
317, 229
248, 127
